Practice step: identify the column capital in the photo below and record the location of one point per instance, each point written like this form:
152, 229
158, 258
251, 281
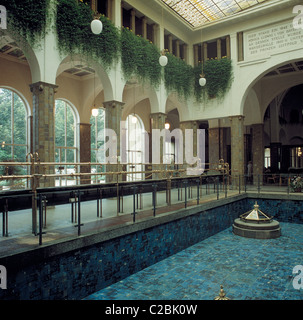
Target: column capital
113, 104
40, 86
238, 117
160, 114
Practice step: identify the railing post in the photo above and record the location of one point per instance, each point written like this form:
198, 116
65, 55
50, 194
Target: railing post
99, 203
218, 191
198, 190
134, 204
185, 193
5, 220
154, 198
79, 214
40, 199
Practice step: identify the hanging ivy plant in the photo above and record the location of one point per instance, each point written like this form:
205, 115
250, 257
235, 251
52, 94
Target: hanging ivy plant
139, 58
178, 76
27, 19
75, 36
218, 74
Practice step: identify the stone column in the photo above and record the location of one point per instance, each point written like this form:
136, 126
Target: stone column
44, 127
237, 149
189, 125
157, 122
113, 115
257, 152
85, 150
213, 150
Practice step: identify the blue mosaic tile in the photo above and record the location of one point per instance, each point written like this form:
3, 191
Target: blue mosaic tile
249, 269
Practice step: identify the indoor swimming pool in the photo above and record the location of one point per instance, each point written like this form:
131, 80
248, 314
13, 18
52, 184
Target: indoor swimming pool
248, 269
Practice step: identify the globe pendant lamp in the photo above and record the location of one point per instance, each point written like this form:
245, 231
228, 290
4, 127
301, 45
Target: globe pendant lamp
163, 59
95, 112
202, 80
96, 26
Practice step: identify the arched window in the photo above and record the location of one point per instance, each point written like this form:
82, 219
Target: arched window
65, 140
13, 126
97, 143
135, 144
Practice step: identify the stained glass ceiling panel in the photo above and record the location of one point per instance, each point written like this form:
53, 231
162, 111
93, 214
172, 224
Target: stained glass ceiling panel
199, 12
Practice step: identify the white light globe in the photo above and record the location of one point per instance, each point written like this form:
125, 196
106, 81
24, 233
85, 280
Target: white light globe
95, 112
202, 82
96, 26
163, 61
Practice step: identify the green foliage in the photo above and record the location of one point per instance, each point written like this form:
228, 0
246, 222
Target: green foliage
27, 18
140, 58
75, 36
178, 76
218, 74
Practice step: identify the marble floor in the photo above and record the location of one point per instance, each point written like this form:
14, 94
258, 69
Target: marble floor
248, 269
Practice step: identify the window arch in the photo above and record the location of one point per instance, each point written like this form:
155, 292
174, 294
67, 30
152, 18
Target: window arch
135, 147
13, 126
65, 139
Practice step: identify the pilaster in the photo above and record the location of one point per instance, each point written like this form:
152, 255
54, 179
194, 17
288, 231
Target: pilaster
237, 149
113, 115
257, 151
44, 126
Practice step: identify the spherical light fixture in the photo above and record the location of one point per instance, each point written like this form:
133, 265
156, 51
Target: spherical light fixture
96, 26
167, 125
163, 59
95, 112
202, 81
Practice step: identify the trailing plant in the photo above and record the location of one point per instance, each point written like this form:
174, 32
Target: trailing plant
139, 58
27, 19
178, 76
75, 36
218, 74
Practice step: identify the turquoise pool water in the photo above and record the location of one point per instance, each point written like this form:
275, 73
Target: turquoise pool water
248, 269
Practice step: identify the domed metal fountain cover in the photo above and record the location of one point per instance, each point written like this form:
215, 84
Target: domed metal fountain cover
256, 224
255, 215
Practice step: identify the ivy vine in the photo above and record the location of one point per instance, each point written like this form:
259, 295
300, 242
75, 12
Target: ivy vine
75, 36
178, 76
140, 58
27, 19
218, 74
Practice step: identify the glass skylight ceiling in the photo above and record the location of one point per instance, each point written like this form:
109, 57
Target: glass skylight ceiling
199, 12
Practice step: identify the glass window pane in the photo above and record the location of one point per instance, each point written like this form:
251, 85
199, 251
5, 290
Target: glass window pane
70, 127
59, 123
19, 121
6, 116
5, 152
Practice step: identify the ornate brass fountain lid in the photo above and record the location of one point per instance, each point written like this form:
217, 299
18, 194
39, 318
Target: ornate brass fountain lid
222, 295
255, 215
